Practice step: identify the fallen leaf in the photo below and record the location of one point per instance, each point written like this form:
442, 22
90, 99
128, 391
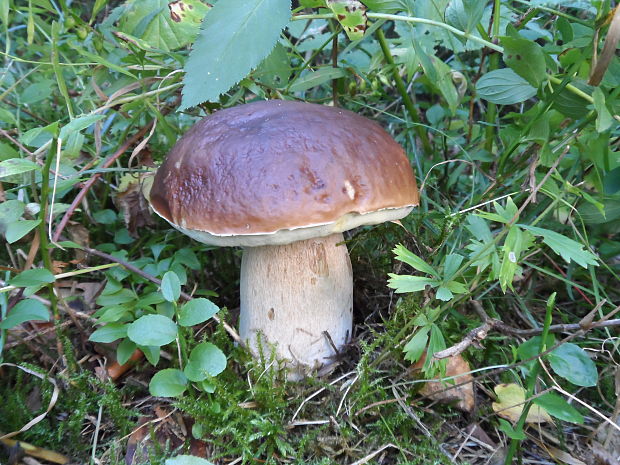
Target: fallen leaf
463, 395
133, 204
511, 398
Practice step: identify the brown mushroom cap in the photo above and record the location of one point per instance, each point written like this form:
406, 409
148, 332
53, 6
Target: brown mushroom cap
277, 171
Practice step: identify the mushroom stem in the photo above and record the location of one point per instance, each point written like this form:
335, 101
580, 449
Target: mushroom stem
291, 295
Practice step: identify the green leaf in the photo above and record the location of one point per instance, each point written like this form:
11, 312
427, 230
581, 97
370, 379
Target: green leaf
37, 137
444, 294
439, 74
33, 277
573, 364
113, 313
15, 231
152, 330
196, 311
187, 460
567, 248
124, 351
205, 360
604, 120
415, 347
406, 283
116, 298
109, 333
436, 343
504, 87
168, 383
152, 353
451, 265
526, 58
557, 407
14, 166
508, 429
170, 287
275, 70
464, 14
404, 255
25, 310
78, 124
163, 24
235, 37
351, 15
384, 6
316, 78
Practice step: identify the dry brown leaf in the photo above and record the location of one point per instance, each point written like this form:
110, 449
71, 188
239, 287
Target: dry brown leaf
511, 398
133, 204
463, 394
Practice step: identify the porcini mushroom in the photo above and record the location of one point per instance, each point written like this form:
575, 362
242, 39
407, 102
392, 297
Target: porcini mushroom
283, 180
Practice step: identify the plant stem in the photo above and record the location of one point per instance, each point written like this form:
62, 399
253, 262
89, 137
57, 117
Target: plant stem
45, 248
531, 381
491, 114
402, 90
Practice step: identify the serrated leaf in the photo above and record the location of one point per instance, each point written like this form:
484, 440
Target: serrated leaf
404, 255
196, 311
572, 363
504, 87
25, 310
567, 248
152, 330
168, 383
235, 37
351, 15
526, 58
464, 14
163, 24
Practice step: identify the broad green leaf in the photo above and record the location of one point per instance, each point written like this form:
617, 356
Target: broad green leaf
406, 283
109, 333
234, 38
121, 296
205, 360
531, 347
152, 330
526, 58
275, 70
187, 460
124, 351
105, 216
113, 313
478, 228
444, 294
196, 311
572, 363
78, 124
509, 430
168, 383
170, 287
567, 248
451, 265
604, 119
33, 277
18, 229
415, 347
316, 78
465, 14
351, 14
152, 353
163, 24
571, 105
10, 211
504, 87
14, 166
25, 310
37, 137
557, 407
439, 74
404, 255
384, 6
436, 343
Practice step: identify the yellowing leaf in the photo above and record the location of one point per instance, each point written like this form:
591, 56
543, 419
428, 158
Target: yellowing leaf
511, 399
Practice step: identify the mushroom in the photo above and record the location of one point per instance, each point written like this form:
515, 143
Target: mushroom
283, 180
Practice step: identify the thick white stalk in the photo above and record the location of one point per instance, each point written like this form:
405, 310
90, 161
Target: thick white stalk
292, 294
